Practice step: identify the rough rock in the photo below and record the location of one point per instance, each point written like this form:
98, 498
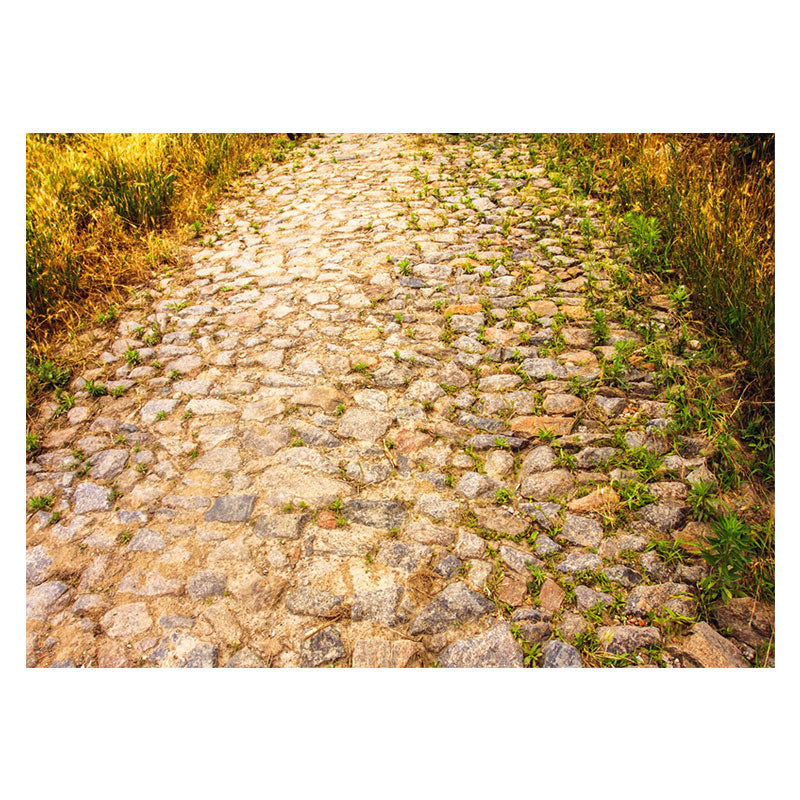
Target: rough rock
495, 648
455, 603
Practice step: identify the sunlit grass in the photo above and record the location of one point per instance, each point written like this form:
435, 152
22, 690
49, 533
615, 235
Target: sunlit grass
99, 205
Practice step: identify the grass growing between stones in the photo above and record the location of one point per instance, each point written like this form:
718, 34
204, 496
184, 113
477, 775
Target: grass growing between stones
695, 214
700, 208
104, 210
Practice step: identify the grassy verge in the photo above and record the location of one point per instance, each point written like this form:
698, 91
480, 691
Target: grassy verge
699, 209
695, 215
103, 210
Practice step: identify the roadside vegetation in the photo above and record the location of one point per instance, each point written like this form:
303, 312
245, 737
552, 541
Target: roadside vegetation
103, 212
696, 214
698, 210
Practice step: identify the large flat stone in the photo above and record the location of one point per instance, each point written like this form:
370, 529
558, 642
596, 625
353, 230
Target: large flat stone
363, 424
231, 508
455, 603
495, 648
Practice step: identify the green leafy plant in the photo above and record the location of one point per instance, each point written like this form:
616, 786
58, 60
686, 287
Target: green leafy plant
40, 502
32, 442
701, 500
730, 552
644, 239
599, 329
503, 497
132, 357
94, 389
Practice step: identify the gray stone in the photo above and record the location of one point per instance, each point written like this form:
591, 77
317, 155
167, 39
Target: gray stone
311, 602
540, 459
558, 654
499, 383
589, 598
197, 387
467, 323
518, 560
480, 423
448, 566
542, 367
577, 562
91, 497
676, 597
222, 459
231, 508
313, 435
37, 565
746, 619
545, 546
379, 605
127, 517
468, 345
147, 541
495, 648
245, 658
46, 598
153, 408
407, 556
583, 531
542, 485
618, 639
427, 533
424, 391
392, 375
473, 484
205, 406
591, 457
384, 514
572, 626
562, 403
469, 545
170, 621
372, 399
487, 441
691, 573
306, 457
277, 437
704, 647
88, 604
126, 621
206, 584
367, 474
108, 464
455, 603
654, 566
436, 506
181, 650
610, 405
280, 526
363, 424
625, 576
665, 517
324, 647
544, 514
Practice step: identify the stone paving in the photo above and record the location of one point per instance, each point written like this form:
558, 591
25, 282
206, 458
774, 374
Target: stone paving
367, 424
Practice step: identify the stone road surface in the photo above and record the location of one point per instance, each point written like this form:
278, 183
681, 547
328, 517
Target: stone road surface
364, 425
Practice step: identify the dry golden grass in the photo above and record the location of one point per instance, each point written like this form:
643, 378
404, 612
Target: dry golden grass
102, 210
713, 197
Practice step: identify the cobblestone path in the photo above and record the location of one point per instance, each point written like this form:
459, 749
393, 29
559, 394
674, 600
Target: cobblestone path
368, 423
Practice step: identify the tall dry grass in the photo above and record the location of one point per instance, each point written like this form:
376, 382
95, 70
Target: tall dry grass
713, 199
101, 209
